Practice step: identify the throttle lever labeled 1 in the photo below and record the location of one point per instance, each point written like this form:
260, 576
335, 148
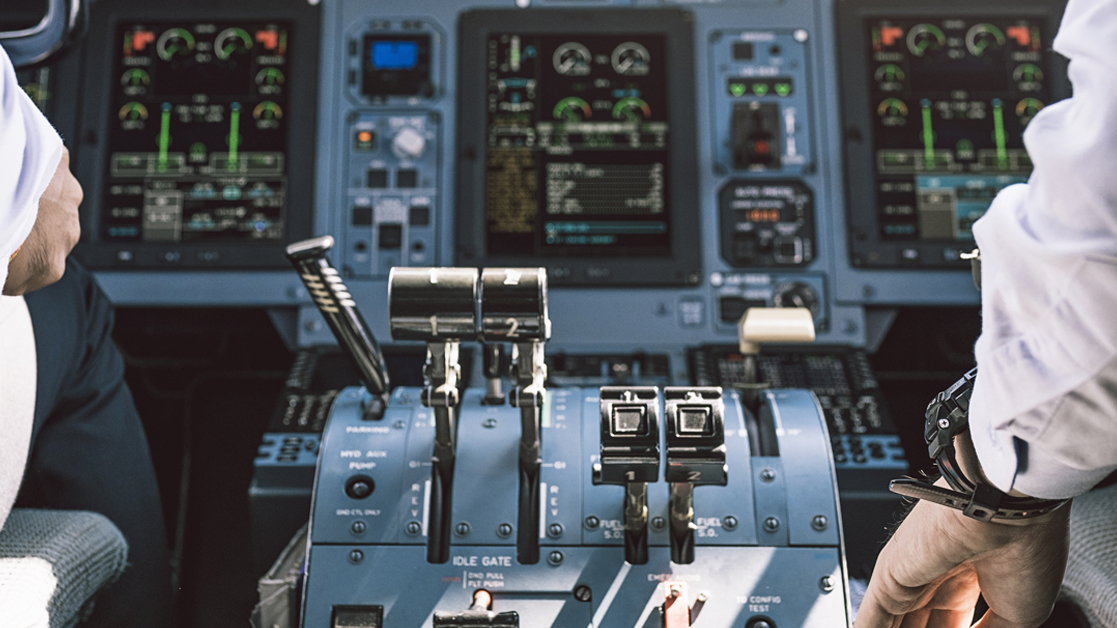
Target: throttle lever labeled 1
514, 309
695, 419
336, 305
630, 457
438, 306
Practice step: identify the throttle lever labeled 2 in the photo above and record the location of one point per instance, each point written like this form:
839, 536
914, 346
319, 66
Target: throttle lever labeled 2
695, 419
438, 306
514, 309
336, 305
630, 457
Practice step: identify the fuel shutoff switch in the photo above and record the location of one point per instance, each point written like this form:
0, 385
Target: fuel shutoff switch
630, 457
695, 455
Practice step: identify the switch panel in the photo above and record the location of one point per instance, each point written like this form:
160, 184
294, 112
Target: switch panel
760, 96
393, 175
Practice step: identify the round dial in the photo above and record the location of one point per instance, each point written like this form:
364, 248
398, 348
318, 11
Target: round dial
232, 41
984, 37
796, 294
925, 37
631, 59
572, 59
173, 43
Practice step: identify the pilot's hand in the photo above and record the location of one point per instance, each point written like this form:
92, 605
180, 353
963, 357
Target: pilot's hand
41, 259
933, 568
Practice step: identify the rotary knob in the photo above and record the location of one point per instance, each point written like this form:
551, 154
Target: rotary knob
408, 144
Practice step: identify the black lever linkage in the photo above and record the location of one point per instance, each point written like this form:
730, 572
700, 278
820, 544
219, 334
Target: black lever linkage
514, 309
695, 455
344, 319
630, 457
438, 306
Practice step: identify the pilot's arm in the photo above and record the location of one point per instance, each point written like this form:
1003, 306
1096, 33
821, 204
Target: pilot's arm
38, 226
1043, 415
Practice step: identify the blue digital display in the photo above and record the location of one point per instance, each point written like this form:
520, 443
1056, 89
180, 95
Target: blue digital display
395, 55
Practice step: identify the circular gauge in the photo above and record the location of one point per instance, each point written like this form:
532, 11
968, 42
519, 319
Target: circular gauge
925, 37
890, 73
631, 109
631, 59
1027, 73
796, 294
572, 59
135, 77
232, 41
267, 110
270, 76
892, 108
1028, 108
984, 37
132, 111
173, 43
572, 108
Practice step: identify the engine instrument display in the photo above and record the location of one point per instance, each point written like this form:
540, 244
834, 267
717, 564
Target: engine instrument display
577, 145
198, 135
950, 101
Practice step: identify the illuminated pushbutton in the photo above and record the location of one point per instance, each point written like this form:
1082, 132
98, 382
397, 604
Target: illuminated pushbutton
364, 140
408, 144
359, 486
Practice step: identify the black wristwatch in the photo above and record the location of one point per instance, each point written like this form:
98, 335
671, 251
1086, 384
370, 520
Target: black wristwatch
947, 416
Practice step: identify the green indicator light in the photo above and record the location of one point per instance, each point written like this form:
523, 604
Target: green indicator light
928, 135
164, 136
783, 89
999, 133
737, 89
759, 89
234, 136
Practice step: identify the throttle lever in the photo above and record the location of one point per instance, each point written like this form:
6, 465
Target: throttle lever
438, 306
514, 309
336, 305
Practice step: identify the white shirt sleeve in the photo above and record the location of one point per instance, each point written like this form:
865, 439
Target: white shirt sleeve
30, 150
1043, 415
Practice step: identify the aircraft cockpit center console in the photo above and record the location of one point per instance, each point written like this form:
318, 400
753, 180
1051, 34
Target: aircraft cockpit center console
627, 182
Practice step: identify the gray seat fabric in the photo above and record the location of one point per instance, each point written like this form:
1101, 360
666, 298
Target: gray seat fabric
1091, 579
53, 562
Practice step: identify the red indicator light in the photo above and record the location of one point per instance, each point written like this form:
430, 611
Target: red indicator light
270, 39
140, 40
889, 35
1020, 34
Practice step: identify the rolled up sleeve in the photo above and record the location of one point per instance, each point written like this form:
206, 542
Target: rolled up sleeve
30, 150
1044, 406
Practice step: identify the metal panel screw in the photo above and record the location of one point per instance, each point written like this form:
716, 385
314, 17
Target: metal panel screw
504, 530
413, 528
582, 593
820, 522
659, 523
771, 524
489, 423
356, 556
555, 558
462, 529
592, 522
826, 583
703, 596
768, 474
399, 425
729, 522
358, 527
555, 530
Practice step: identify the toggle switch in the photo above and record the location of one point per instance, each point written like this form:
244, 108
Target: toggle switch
695, 424
630, 457
755, 135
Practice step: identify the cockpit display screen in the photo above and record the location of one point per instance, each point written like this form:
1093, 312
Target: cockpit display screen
950, 100
198, 134
577, 145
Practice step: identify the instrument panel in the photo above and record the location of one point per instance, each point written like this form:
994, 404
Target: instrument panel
694, 159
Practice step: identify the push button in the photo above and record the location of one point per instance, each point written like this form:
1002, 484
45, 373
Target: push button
359, 487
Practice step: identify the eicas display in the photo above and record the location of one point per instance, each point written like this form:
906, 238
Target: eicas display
198, 139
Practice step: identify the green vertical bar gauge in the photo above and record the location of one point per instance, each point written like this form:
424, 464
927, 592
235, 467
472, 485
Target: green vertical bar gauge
999, 133
928, 136
234, 135
164, 136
